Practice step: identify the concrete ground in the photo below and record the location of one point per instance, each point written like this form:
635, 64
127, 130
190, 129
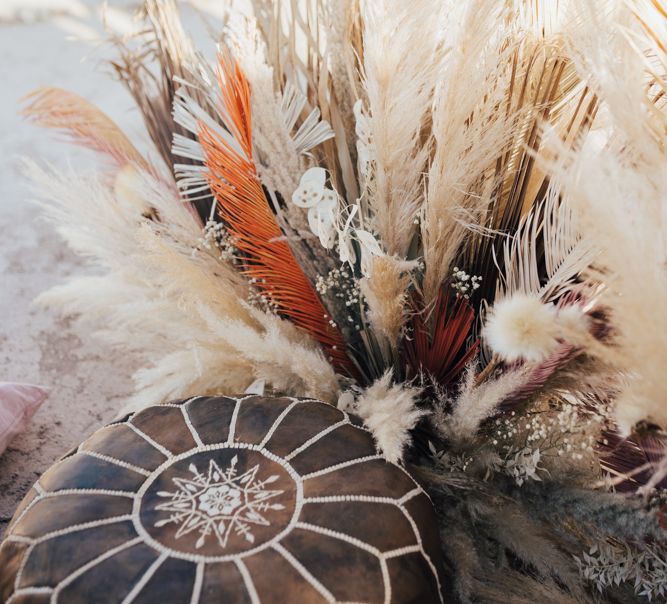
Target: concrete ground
88, 382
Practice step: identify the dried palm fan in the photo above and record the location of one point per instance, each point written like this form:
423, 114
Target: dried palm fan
165, 44
437, 216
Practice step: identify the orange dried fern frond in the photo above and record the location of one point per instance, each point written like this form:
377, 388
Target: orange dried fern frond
242, 205
84, 122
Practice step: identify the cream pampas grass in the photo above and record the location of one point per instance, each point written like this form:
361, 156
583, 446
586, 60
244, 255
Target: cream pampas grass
393, 80
390, 412
617, 185
469, 133
184, 311
385, 291
395, 151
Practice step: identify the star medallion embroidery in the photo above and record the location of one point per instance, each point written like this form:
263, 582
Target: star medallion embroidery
219, 503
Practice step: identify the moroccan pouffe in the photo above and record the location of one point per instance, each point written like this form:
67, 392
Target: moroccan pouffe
244, 499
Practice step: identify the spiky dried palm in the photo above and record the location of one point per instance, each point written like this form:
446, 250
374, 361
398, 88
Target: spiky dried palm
266, 257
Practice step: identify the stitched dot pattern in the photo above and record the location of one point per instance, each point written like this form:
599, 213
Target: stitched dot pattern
225, 499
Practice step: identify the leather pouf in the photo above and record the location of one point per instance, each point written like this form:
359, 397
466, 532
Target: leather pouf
247, 499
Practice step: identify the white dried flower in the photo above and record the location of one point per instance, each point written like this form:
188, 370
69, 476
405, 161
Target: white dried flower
465, 284
321, 203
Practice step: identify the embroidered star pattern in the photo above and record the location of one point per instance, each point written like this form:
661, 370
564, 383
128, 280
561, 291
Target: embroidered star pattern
219, 503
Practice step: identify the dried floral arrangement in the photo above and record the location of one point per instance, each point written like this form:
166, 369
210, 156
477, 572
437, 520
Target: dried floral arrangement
446, 217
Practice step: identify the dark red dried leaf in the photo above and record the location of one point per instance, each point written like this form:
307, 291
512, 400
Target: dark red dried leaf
438, 347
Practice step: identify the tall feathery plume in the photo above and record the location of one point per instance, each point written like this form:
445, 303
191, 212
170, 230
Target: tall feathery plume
84, 123
469, 133
393, 188
617, 186
534, 83
396, 148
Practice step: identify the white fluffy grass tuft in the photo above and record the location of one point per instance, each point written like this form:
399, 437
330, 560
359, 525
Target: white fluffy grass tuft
389, 412
522, 328
473, 404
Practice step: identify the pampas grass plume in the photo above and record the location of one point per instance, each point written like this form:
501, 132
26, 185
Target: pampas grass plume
522, 328
389, 412
127, 185
385, 292
573, 323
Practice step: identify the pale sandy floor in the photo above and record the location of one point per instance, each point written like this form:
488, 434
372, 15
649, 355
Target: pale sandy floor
88, 382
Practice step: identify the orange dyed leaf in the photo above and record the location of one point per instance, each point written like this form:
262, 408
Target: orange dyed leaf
243, 207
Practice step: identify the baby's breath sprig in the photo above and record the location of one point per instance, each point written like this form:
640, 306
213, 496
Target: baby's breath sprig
341, 285
216, 237
465, 284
